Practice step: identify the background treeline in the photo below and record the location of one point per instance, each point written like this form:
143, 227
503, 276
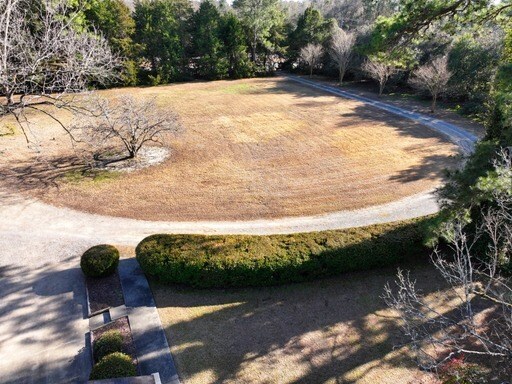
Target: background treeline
178, 40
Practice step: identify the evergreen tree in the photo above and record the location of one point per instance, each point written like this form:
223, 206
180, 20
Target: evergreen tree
259, 16
235, 49
113, 19
274, 48
311, 28
161, 30
207, 43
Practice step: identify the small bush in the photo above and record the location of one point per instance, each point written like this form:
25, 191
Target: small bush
458, 371
116, 364
99, 261
238, 261
109, 342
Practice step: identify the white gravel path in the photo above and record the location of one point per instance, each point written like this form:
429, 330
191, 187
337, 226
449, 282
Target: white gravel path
38, 219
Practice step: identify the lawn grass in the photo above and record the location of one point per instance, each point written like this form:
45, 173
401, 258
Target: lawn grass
78, 176
336, 330
8, 129
251, 149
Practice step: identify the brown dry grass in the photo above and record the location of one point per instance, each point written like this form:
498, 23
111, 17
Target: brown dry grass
331, 331
259, 148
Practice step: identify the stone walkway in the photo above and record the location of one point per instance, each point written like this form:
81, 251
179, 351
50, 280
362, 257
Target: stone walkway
152, 349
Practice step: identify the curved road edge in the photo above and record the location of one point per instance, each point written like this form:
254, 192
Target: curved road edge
30, 217
42, 220
458, 135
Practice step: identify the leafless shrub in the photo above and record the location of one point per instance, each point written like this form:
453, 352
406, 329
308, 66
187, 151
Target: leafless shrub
379, 71
341, 47
432, 77
311, 55
44, 59
480, 323
123, 126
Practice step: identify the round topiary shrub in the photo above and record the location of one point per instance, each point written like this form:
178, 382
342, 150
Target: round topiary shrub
116, 364
109, 342
100, 261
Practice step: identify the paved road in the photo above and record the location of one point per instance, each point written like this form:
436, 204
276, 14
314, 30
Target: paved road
41, 292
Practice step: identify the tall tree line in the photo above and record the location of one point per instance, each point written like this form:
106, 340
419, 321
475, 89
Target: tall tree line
176, 40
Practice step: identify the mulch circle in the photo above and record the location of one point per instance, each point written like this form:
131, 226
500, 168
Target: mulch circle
104, 293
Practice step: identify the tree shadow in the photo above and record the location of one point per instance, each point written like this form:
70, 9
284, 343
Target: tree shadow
433, 167
336, 330
43, 324
37, 174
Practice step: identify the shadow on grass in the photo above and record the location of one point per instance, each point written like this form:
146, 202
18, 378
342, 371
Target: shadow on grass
333, 330
431, 167
37, 174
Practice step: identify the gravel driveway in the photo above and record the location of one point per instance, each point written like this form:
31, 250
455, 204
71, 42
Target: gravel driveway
42, 298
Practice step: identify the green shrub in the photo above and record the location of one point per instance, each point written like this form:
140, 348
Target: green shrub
237, 261
116, 364
99, 261
109, 342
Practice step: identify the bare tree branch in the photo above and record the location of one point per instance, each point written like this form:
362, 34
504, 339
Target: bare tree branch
432, 77
311, 55
125, 124
480, 322
342, 44
379, 71
44, 59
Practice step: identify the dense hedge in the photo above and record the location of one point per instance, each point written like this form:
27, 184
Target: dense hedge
112, 366
100, 260
237, 261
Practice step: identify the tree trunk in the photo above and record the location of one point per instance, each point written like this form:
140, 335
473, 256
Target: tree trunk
310, 71
342, 73
10, 98
434, 102
253, 47
154, 66
253, 53
381, 88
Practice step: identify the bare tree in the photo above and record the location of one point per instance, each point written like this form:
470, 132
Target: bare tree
432, 77
480, 323
342, 44
379, 71
125, 125
44, 59
311, 55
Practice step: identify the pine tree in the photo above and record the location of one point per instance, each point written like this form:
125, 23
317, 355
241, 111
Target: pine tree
207, 43
234, 46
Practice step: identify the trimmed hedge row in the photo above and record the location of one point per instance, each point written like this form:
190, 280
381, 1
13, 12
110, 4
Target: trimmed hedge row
240, 261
